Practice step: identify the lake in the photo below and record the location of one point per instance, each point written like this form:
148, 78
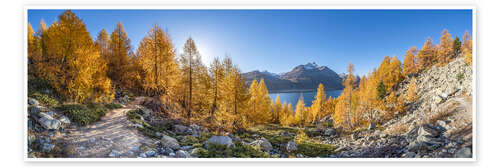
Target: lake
293, 97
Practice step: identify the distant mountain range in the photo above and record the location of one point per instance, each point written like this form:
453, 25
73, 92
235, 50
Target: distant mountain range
301, 78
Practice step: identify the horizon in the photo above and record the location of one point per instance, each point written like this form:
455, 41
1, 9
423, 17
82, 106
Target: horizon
331, 38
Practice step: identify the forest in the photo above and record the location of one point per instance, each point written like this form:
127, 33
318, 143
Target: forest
65, 58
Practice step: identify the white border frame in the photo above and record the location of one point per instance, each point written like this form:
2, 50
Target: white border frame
253, 7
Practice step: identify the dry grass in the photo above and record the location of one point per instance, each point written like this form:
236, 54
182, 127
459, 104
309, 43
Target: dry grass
442, 112
397, 129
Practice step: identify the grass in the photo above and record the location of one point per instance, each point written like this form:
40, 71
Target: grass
112, 106
45, 99
237, 150
311, 149
460, 76
83, 115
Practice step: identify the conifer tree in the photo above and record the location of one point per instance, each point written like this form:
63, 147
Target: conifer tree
119, 56
277, 109
426, 56
445, 53
467, 48
318, 103
72, 62
410, 62
300, 112
192, 70
457, 44
156, 59
411, 94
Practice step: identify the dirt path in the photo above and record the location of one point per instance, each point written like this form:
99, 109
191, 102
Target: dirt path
111, 133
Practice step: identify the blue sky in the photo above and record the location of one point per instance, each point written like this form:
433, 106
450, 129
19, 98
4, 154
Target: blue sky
278, 40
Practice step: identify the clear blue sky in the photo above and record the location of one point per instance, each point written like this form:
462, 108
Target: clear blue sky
278, 40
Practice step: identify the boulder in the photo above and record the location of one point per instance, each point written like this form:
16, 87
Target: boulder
35, 110
263, 144
221, 140
329, 132
151, 153
64, 120
170, 142
465, 152
47, 147
371, 126
32, 101
291, 146
114, 154
428, 130
181, 154
180, 129
48, 122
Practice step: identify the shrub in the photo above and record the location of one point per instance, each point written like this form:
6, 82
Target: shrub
460, 76
112, 106
45, 99
83, 115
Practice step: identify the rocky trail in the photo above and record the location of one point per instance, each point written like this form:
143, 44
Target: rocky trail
112, 136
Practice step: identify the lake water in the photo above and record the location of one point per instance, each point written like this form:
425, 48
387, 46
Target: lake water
308, 96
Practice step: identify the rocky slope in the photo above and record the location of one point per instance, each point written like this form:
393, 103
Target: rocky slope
438, 125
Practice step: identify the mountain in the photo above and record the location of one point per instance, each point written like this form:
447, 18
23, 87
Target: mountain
301, 77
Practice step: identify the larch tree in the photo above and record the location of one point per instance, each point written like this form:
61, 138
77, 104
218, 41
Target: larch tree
253, 103
300, 112
467, 48
318, 103
73, 63
265, 103
277, 109
217, 75
410, 62
156, 59
426, 56
445, 53
191, 70
344, 107
119, 58
411, 94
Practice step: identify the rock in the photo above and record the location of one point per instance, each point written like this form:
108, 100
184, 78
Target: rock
263, 144
92, 140
114, 154
300, 156
48, 122
371, 126
221, 140
181, 154
151, 153
180, 129
158, 134
47, 147
64, 120
428, 130
170, 142
409, 155
291, 146
143, 155
330, 132
442, 125
438, 99
355, 136
465, 152
31, 139
35, 110
286, 134
32, 101
138, 125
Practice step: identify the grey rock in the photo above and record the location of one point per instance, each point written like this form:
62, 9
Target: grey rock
170, 142
465, 152
291, 146
32, 101
371, 126
181, 154
64, 120
263, 144
48, 122
428, 130
221, 140
47, 147
151, 153
180, 129
330, 132
143, 155
114, 154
